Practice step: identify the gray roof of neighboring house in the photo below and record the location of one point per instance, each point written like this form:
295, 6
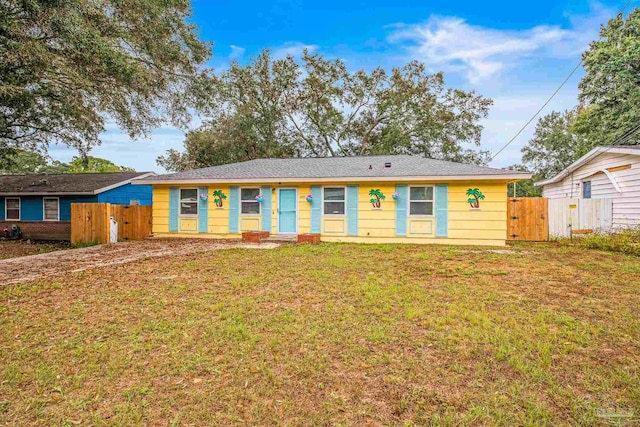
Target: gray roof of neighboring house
336, 167
71, 183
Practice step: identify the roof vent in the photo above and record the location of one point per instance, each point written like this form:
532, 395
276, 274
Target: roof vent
387, 164
370, 166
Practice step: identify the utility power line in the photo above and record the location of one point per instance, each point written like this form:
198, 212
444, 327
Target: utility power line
626, 137
624, 8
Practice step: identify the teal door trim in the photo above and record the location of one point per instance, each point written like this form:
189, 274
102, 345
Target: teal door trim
295, 231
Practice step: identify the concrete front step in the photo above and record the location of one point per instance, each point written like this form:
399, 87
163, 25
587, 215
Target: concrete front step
264, 236
280, 238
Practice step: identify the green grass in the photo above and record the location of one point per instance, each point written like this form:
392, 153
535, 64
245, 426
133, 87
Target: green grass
327, 334
625, 241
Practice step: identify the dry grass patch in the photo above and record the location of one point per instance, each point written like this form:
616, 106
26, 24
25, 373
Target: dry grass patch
327, 334
18, 248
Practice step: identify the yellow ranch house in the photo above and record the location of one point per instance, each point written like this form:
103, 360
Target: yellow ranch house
377, 199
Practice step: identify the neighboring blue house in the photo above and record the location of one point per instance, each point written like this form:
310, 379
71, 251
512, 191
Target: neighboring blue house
41, 204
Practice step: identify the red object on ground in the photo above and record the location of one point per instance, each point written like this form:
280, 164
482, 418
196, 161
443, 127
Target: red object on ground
313, 238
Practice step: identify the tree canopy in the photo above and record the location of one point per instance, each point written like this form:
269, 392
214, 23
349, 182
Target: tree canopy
554, 145
609, 102
67, 66
318, 107
610, 90
33, 162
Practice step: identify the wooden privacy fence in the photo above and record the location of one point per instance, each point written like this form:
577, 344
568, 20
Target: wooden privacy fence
527, 218
91, 223
134, 221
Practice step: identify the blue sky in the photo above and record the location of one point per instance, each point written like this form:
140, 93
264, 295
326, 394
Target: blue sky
516, 53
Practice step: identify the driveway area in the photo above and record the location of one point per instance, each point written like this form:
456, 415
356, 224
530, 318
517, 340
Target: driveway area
33, 267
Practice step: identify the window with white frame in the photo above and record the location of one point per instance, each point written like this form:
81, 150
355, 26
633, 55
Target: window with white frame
421, 200
248, 203
12, 208
334, 200
51, 209
189, 201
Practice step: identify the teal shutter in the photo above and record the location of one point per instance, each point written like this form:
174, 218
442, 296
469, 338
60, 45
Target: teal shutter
401, 209
234, 207
352, 210
266, 208
174, 207
316, 208
203, 210
442, 207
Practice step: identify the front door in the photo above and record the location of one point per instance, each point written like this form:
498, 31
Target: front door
287, 211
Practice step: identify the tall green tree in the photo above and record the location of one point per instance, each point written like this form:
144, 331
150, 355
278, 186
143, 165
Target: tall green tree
247, 120
609, 102
68, 65
282, 108
23, 162
90, 164
554, 146
33, 162
610, 90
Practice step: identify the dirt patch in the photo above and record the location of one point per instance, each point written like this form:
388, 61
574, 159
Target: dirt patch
19, 248
33, 267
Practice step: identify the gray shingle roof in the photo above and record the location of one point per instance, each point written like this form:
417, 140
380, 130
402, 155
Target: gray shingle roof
73, 183
336, 167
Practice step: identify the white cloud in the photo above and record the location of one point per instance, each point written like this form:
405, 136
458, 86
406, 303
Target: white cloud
478, 53
237, 52
293, 49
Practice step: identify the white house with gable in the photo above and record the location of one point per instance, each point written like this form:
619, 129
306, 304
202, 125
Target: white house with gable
599, 191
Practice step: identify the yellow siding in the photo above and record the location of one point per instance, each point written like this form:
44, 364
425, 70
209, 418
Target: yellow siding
486, 225
160, 209
376, 222
218, 217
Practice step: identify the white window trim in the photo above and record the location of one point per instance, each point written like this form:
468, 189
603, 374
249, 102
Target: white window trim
6, 208
433, 201
180, 203
44, 210
345, 200
240, 201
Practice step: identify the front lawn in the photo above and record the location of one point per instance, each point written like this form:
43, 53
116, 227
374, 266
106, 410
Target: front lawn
328, 334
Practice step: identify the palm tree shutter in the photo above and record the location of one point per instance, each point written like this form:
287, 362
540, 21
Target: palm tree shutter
442, 207
234, 207
401, 209
174, 209
352, 210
